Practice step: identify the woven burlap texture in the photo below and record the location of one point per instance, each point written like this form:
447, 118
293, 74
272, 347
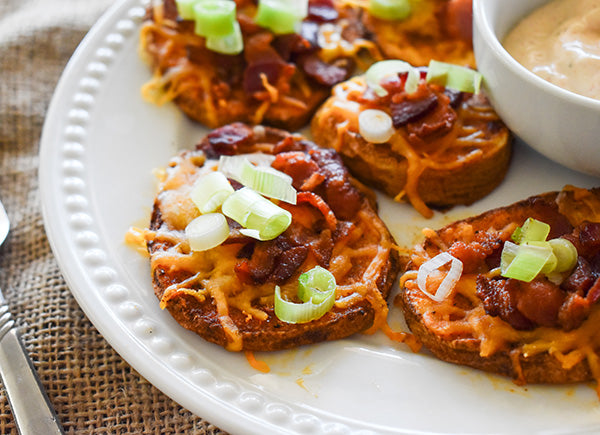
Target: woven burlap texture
91, 387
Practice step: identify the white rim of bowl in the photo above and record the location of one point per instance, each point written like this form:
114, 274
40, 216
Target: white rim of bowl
480, 20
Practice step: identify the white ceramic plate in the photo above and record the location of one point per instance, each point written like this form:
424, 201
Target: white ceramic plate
99, 146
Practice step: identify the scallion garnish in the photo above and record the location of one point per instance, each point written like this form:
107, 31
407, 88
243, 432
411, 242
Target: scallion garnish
210, 191
566, 254
375, 126
432, 267
316, 289
263, 179
531, 231
531, 254
385, 68
390, 9
523, 262
454, 77
281, 16
185, 8
255, 213
215, 18
207, 231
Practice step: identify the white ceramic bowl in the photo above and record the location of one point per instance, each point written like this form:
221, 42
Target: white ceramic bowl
560, 124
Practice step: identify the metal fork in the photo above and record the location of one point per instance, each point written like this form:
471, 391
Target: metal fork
30, 405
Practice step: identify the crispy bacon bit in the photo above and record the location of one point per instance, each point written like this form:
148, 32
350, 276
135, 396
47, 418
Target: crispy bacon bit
581, 279
342, 197
454, 96
226, 140
540, 302
410, 110
297, 165
475, 255
500, 299
317, 202
327, 74
289, 44
262, 58
288, 262
436, 121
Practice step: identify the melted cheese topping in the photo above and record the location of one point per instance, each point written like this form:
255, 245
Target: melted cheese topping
210, 275
461, 315
467, 141
174, 75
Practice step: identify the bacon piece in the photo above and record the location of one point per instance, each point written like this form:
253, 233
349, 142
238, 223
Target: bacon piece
589, 237
474, 255
581, 279
341, 196
411, 110
226, 140
297, 165
262, 58
500, 299
289, 44
573, 311
327, 74
318, 202
437, 121
288, 262
540, 301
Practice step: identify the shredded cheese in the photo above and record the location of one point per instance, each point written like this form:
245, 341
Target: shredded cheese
466, 142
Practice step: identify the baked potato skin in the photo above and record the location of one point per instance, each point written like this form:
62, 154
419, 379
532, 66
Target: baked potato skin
273, 334
201, 315
538, 368
379, 167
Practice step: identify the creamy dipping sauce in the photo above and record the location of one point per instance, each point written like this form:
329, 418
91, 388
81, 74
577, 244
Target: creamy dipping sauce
560, 42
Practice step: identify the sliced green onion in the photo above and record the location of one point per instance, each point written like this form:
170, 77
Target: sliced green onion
185, 8
551, 262
531, 231
269, 181
263, 179
454, 77
316, 288
281, 16
390, 9
232, 166
215, 18
316, 285
431, 266
255, 212
566, 254
207, 231
210, 191
379, 70
523, 262
375, 126
228, 44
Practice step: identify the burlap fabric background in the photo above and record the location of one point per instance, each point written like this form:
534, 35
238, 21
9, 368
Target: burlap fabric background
92, 389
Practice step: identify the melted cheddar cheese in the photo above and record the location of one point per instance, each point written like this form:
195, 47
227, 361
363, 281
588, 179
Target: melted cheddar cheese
461, 316
210, 275
467, 142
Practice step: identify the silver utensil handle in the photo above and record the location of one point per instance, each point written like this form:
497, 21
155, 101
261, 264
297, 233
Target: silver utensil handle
30, 405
